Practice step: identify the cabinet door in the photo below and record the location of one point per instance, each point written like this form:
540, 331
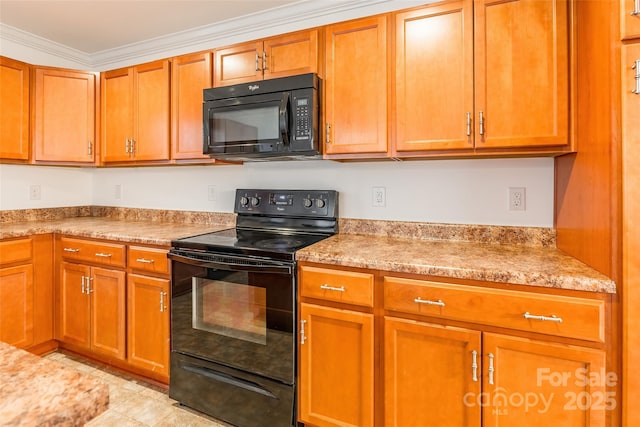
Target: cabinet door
151, 110
356, 87
291, 54
521, 67
434, 77
117, 114
238, 64
190, 75
534, 383
14, 109
107, 291
16, 305
630, 21
148, 323
74, 305
336, 367
631, 231
64, 128
429, 371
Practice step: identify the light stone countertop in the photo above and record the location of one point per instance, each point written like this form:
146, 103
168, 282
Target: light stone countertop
522, 265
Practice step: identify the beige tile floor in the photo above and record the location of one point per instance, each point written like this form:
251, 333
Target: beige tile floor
134, 403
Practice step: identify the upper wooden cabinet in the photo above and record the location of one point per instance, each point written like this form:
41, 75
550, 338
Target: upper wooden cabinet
190, 75
286, 55
64, 116
515, 95
434, 77
136, 113
630, 19
355, 87
14, 109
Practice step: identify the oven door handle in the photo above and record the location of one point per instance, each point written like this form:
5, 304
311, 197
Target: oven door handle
231, 266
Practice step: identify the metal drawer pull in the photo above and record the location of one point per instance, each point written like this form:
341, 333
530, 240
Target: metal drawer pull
126, 146
491, 368
264, 61
636, 66
145, 261
162, 306
303, 338
328, 133
257, 62
331, 288
636, 9
88, 281
429, 302
552, 318
72, 250
481, 123
474, 365
103, 255
468, 124
89, 148
83, 279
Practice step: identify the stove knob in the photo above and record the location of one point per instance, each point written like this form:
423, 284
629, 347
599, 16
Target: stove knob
307, 203
255, 201
244, 201
320, 203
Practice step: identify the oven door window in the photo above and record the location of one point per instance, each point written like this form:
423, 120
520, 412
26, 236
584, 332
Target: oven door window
240, 319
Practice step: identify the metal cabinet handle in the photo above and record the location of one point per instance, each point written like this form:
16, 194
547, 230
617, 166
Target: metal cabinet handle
303, 338
491, 368
162, 306
72, 250
133, 146
127, 145
264, 61
552, 318
103, 255
468, 123
88, 285
429, 302
474, 366
257, 62
636, 9
145, 261
89, 148
332, 288
328, 133
83, 285
481, 123
636, 66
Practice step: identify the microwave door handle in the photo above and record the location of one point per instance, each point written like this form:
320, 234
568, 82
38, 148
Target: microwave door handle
284, 118
230, 266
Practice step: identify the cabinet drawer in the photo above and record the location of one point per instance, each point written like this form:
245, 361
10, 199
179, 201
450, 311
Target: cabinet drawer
15, 251
112, 254
572, 317
337, 285
148, 259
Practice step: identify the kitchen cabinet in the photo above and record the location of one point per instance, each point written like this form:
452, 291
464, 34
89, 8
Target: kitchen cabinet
148, 310
64, 116
281, 56
14, 110
92, 297
356, 88
630, 19
516, 94
477, 371
336, 368
136, 113
190, 75
630, 226
26, 292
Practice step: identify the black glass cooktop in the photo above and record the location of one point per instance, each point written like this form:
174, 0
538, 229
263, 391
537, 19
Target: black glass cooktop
269, 244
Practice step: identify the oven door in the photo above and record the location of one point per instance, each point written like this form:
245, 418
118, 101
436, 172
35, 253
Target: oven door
249, 126
235, 311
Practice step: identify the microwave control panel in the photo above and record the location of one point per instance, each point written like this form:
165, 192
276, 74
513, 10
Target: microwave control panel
303, 107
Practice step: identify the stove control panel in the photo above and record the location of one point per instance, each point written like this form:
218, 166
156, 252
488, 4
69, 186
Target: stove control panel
316, 203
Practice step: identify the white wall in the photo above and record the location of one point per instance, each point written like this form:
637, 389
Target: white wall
449, 191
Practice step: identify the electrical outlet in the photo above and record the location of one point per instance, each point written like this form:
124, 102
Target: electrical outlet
378, 197
35, 192
211, 193
517, 198
117, 191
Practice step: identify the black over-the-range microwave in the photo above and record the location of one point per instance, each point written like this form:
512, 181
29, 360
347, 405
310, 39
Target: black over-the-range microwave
264, 120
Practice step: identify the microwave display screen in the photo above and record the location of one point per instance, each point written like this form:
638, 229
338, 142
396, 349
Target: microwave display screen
251, 124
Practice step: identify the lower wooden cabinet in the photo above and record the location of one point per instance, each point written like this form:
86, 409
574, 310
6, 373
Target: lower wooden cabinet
148, 323
92, 309
336, 367
16, 305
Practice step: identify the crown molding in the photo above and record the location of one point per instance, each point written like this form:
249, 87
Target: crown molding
305, 13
